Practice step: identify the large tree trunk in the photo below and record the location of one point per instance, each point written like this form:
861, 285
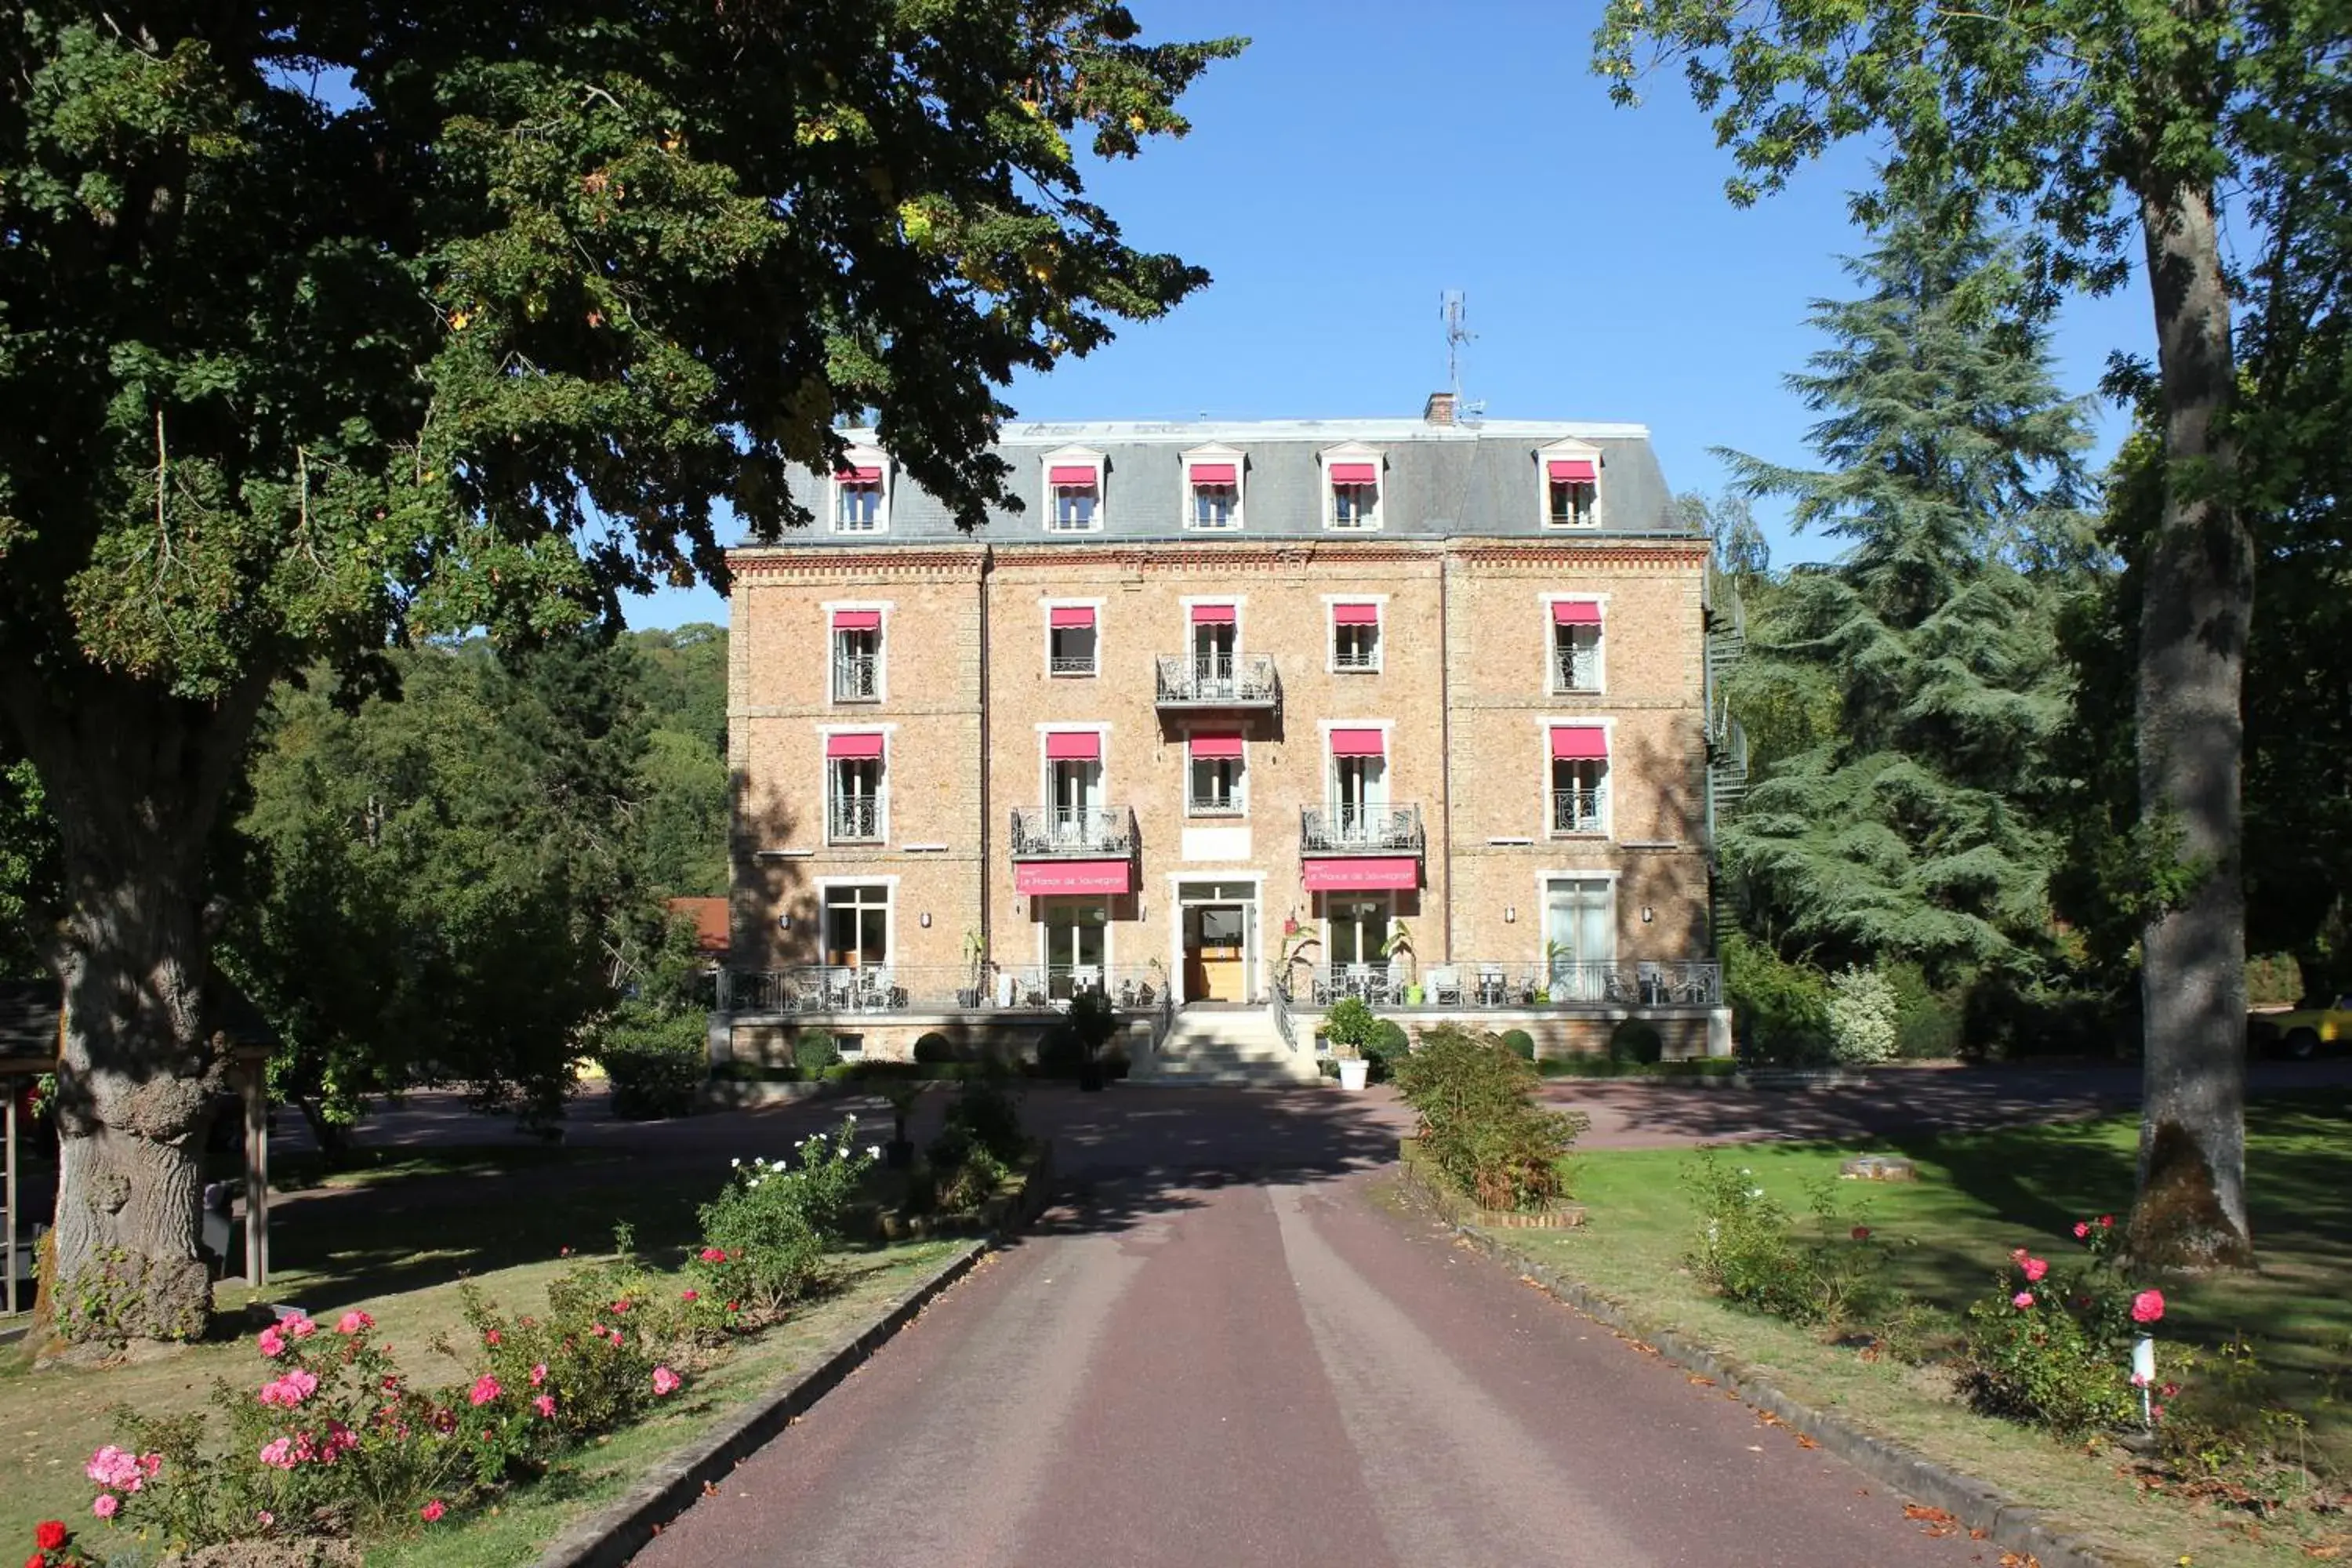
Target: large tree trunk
2194, 618
134, 779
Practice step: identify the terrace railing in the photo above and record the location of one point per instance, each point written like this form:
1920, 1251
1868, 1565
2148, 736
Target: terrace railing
1218, 681
853, 818
1360, 830
1492, 984
1043, 832
1581, 810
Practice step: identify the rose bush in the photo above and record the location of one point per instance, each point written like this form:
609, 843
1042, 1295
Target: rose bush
767, 1235
2053, 1345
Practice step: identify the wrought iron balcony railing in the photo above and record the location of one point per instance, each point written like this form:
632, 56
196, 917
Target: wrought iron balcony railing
1219, 680
856, 678
1575, 668
1046, 833
1488, 983
853, 819
1581, 810
1360, 830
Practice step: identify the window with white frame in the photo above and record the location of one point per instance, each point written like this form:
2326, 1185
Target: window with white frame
858, 656
1576, 645
1074, 495
1071, 640
858, 924
1214, 785
856, 782
1355, 490
1579, 780
1355, 637
1571, 492
1212, 492
857, 498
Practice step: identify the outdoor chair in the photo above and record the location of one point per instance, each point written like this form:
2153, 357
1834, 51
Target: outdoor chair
1445, 987
1491, 987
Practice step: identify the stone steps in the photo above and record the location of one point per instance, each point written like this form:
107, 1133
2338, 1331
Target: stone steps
1222, 1047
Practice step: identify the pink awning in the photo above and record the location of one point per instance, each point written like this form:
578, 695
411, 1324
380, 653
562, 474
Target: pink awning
1572, 471
1348, 875
1066, 616
1576, 612
1580, 742
1355, 615
1358, 744
853, 745
859, 476
1212, 614
1073, 746
858, 620
1355, 473
1049, 876
1213, 473
1082, 478
1214, 746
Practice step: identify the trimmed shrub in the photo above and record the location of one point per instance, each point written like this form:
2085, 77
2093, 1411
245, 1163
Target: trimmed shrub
1926, 1021
1480, 1121
1389, 1045
1522, 1044
814, 1051
2051, 1343
934, 1048
765, 1237
977, 1148
1781, 1009
654, 1060
1861, 1011
1349, 1027
1636, 1042
1059, 1054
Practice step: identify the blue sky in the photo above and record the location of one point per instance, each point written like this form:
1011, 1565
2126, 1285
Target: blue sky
1362, 157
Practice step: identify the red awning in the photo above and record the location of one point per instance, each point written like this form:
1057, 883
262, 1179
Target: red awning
1082, 478
1212, 614
1580, 742
1049, 876
867, 746
1214, 746
1213, 473
1573, 472
1073, 746
1355, 473
1063, 615
1576, 612
1346, 875
1358, 744
1355, 615
859, 476
858, 620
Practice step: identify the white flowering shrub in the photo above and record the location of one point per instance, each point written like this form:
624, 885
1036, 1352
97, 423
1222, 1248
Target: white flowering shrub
1863, 1010
766, 1237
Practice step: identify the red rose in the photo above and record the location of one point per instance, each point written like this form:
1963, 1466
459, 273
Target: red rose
50, 1534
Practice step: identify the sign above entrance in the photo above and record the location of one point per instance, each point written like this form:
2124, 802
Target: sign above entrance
1348, 875
1052, 877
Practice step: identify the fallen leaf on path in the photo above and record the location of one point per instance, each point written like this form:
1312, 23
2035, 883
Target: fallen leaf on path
1932, 1521
2012, 1560
1805, 1442
1702, 1382
710, 1488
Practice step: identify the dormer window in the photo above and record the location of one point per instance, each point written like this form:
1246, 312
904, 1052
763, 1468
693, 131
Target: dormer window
1212, 490
1571, 492
860, 502
1074, 493
1352, 481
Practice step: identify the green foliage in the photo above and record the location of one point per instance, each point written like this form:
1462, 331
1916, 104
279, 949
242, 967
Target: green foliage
1522, 1044
1863, 1017
29, 891
2052, 1344
655, 1060
2273, 978
934, 1048
766, 1236
1781, 1009
1749, 1249
1350, 1026
1389, 1045
978, 1146
1093, 1019
1635, 1041
1928, 1023
1059, 1054
1480, 1121
813, 1052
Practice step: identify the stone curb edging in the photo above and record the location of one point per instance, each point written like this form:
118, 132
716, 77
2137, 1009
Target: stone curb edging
1978, 1505
612, 1536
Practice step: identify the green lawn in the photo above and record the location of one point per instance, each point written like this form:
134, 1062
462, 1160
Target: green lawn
1949, 1233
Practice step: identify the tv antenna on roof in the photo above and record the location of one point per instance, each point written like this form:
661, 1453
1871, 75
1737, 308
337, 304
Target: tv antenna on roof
1455, 311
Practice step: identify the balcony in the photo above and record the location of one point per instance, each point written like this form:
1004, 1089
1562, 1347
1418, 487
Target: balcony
1360, 830
853, 819
1584, 810
1223, 681
1575, 668
1065, 833
1493, 984
856, 678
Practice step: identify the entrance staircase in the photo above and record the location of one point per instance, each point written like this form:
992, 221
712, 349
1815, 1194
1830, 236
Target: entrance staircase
1221, 1045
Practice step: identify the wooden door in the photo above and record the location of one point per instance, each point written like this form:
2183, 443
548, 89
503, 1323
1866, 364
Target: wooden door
1221, 961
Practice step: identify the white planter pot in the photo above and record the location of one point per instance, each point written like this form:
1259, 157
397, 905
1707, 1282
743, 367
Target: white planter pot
1354, 1074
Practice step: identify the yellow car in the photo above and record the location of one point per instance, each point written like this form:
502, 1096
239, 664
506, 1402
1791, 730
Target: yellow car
2302, 1032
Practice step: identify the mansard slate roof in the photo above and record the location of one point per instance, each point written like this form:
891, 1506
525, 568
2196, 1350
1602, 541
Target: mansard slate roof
1476, 480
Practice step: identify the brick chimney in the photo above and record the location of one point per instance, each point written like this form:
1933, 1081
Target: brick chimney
1439, 410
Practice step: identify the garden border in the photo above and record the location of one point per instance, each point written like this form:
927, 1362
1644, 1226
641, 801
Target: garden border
612, 1536
1978, 1505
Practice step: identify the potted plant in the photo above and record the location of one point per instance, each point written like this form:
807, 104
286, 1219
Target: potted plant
1093, 1020
1399, 947
1348, 1026
975, 956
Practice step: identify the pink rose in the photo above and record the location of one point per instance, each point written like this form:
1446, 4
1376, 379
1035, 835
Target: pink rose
279, 1454
621, 1306
666, 1382
105, 1505
272, 1342
2021, 1300
545, 1405
2148, 1306
486, 1388
489, 1336
690, 1295
538, 1374
431, 1510
2036, 1269
2139, 1380
150, 1463
264, 1517
300, 1328
2082, 1229
352, 1322
714, 1254
2107, 1222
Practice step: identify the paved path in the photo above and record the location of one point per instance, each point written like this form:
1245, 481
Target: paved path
1229, 1348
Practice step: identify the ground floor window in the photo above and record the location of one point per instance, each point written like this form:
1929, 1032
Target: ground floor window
1580, 937
1077, 932
858, 924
